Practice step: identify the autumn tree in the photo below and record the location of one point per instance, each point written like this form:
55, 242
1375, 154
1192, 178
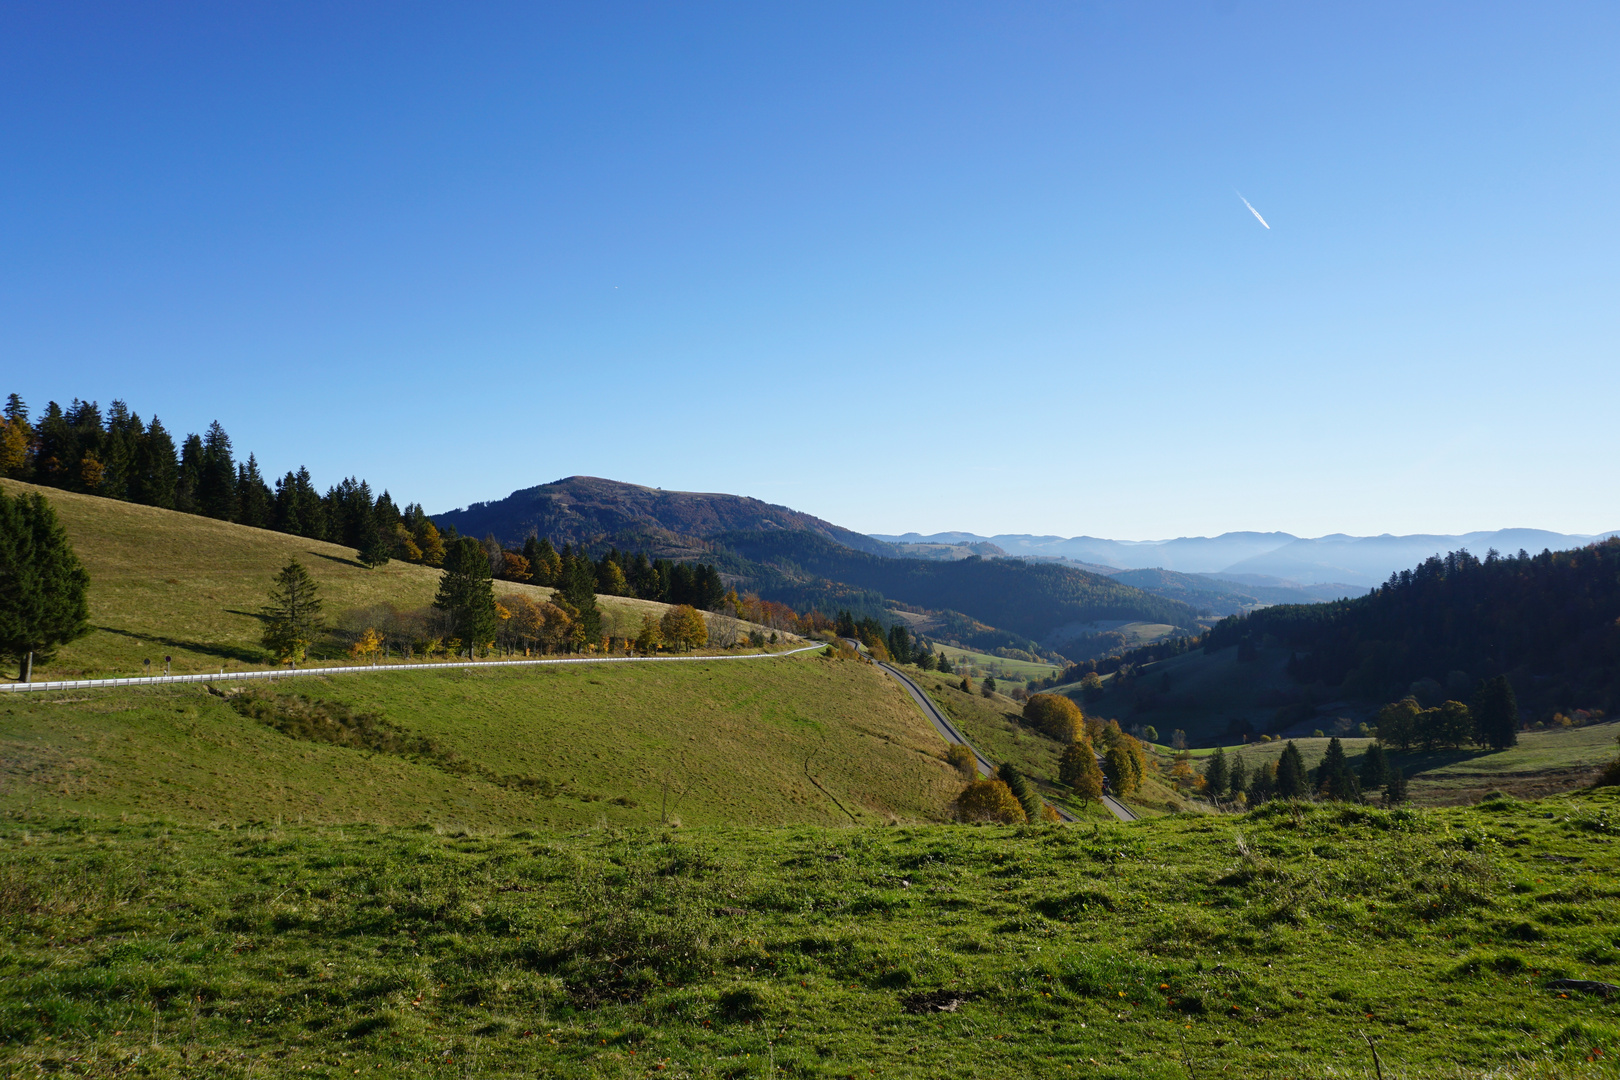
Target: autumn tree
683, 628
1056, 716
467, 593
991, 801
44, 590
367, 648
651, 635
292, 618
1118, 768
1078, 768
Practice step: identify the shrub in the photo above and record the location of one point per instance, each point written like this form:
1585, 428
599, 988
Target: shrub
1056, 716
962, 759
989, 800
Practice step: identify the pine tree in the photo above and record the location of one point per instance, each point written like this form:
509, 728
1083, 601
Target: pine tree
253, 498
186, 489
1333, 776
293, 616
945, 665
1496, 714
1237, 781
1374, 769
43, 587
1263, 784
1026, 795
157, 469
1216, 774
1395, 789
376, 551
16, 440
216, 482
467, 593
1291, 773
576, 583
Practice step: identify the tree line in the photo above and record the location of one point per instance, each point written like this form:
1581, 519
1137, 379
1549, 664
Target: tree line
1546, 622
120, 456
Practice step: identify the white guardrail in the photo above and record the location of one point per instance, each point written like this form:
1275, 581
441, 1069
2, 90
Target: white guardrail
370, 669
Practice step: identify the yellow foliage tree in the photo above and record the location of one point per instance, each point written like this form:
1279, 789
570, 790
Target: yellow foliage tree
1078, 768
429, 543
558, 633
683, 628
14, 441
1055, 715
989, 800
368, 647
650, 637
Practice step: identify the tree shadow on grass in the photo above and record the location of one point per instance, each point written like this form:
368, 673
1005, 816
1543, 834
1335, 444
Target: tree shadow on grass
224, 652
340, 560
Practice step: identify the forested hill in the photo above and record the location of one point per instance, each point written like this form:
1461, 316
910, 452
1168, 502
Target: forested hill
1550, 622
1031, 599
582, 509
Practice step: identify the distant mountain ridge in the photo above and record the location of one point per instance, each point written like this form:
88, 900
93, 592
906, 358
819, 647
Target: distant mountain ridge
583, 509
1352, 560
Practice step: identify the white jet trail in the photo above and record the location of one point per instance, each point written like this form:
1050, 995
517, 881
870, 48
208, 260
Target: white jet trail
1252, 210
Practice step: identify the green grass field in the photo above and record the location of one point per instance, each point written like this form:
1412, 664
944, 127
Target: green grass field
1543, 763
165, 583
629, 744
1265, 946
1020, 670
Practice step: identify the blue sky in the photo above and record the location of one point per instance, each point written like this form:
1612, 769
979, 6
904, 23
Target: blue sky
922, 266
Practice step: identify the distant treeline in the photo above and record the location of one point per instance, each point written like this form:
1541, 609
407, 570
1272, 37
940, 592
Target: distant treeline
1028, 599
118, 456
1550, 622
616, 573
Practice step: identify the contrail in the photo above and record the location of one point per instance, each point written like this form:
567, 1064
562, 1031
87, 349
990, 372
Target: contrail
1252, 210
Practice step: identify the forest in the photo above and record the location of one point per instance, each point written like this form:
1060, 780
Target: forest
119, 456
1549, 622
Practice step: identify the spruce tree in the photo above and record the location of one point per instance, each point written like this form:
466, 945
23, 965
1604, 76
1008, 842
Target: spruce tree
467, 593
191, 471
158, 468
1022, 791
576, 583
1395, 788
1291, 773
1237, 781
216, 481
292, 618
945, 665
1334, 778
253, 498
1496, 714
1374, 769
44, 591
376, 551
1216, 774
1263, 784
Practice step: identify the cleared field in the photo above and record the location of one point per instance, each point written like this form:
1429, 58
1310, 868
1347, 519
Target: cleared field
791, 740
1021, 670
164, 583
1268, 946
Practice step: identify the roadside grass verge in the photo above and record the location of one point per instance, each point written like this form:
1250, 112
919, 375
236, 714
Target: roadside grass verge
1257, 946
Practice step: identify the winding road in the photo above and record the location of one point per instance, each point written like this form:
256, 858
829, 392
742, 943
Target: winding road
944, 726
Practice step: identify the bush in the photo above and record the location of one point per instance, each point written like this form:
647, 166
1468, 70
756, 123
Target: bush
1055, 716
989, 800
962, 759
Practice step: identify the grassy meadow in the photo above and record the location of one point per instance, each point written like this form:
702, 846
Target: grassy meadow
165, 583
1000, 667
1268, 946
772, 741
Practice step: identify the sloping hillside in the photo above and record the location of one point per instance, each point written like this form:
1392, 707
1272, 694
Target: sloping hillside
582, 509
169, 584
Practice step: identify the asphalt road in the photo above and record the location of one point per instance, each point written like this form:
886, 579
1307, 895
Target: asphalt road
944, 726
